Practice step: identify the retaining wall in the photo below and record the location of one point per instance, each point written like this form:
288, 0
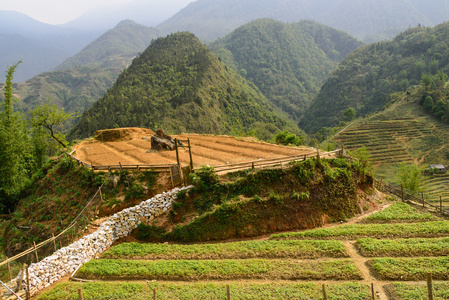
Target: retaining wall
66, 260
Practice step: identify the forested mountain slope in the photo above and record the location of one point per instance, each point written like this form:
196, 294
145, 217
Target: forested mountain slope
177, 84
367, 20
366, 78
287, 62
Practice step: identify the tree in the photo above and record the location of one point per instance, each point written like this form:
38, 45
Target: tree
51, 118
349, 114
16, 159
440, 108
427, 81
428, 104
363, 156
411, 177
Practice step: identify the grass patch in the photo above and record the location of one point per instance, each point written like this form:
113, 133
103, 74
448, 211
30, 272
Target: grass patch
404, 291
356, 231
243, 291
219, 269
248, 249
404, 247
410, 268
399, 211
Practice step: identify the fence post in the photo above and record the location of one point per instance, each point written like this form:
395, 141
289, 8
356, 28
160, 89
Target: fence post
441, 205
35, 251
380, 184
228, 292
80, 293
21, 278
402, 192
28, 282
177, 152
372, 290
154, 294
429, 286
324, 292
423, 202
9, 270
54, 241
190, 153
101, 196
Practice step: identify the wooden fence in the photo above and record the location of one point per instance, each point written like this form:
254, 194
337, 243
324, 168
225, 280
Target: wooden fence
160, 168
273, 162
406, 196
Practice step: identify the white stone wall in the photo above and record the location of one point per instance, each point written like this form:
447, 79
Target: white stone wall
66, 260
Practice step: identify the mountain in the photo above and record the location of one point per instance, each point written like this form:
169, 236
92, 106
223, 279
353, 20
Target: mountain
287, 62
122, 43
367, 77
178, 85
40, 46
84, 78
367, 20
148, 13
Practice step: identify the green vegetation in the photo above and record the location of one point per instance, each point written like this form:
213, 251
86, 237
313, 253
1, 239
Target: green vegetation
219, 269
411, 177
181, 86
355, 231
403, 247
287, 62
399, 211
256, 202
406, 291
239, 250
369, 75
410, 268
244, 291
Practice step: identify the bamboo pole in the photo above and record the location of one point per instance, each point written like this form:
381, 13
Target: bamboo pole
441, 205
423, 202
80, 293
372, 291
154, 294
228, 292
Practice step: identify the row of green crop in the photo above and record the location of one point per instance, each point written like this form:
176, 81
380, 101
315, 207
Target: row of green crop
356, 231
410, 269
238, 250
400, 211
117, 269
189, 291
370, 247
404, 291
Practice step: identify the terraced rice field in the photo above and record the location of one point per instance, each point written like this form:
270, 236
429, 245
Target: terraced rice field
132, 145
286, 266
403, 133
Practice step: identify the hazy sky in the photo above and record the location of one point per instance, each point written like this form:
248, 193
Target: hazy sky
62, 11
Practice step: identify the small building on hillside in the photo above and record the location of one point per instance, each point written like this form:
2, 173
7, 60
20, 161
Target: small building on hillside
436, 169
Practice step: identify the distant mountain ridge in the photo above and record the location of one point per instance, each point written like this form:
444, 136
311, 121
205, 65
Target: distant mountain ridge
178, 85
40, 46
367, 20
287, 62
